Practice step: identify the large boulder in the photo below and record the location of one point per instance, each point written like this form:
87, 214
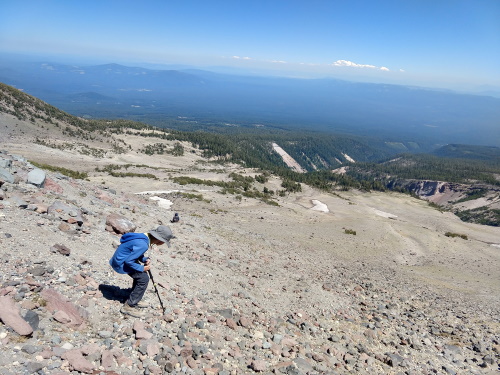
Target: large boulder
6, 176
36, 177
119, 224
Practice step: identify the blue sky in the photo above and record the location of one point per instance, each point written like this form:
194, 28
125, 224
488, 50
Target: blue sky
442, 43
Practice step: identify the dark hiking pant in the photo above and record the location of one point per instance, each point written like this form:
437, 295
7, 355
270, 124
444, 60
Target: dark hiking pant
139, 286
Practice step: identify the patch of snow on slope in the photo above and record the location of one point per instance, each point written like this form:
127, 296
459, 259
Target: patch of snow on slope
348, 158
319, 206
288, 159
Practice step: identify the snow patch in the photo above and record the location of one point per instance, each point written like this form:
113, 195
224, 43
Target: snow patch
348, 158
384, 214
319, 206
162, 202
288, 159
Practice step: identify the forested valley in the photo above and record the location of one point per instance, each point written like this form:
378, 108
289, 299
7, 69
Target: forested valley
333, 162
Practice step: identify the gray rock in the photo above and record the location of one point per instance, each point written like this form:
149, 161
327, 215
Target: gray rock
291, 370
36, 177
18, 202
302, 364
30, 349
105, 334
449, 370
394, 360
37, 271
5, 163
32, 318
56, 340
225, 313
34, 367
6, 176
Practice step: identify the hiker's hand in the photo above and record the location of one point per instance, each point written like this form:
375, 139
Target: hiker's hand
147, 267
147, 262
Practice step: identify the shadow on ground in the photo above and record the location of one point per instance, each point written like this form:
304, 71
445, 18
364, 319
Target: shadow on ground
114, 293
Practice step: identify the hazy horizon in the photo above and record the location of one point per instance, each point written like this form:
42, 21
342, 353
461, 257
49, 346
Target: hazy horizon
406, 43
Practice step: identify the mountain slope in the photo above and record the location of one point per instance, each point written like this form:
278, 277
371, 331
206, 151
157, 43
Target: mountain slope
376, 283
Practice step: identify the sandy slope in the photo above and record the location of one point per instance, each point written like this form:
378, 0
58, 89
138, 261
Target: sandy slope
291, 258
392, 230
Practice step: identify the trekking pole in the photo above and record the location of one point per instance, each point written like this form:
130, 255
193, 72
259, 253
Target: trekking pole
156, 290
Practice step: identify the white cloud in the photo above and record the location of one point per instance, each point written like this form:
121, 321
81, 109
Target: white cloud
355, 65
278, 62
242, 58
352, 64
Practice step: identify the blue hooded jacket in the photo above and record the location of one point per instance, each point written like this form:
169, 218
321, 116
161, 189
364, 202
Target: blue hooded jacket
127, 256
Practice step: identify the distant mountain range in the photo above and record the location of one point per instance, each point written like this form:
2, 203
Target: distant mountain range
395, 113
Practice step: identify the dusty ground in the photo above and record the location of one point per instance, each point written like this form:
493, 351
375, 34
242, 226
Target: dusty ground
392, 230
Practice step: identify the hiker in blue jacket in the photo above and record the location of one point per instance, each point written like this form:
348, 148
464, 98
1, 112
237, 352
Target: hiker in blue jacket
129, 259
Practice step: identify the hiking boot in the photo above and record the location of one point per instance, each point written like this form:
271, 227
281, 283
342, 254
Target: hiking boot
142, 305
132, 311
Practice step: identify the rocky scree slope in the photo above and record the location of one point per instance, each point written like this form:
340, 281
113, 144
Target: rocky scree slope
230, 308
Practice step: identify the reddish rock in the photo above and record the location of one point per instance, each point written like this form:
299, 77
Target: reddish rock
62, 317
245, 322
169, 318
231, 323
155, 370
107, 359
56, 302
124, 361
105, 197
288, 341
79, 279
78, 362
318, 357
9, 315
51, 185
28, 305
192, 363
258, 366
64, 227
186, 352
328, 287
41, 208
211, 371
120, 224
140, 331
153, 349
61, 249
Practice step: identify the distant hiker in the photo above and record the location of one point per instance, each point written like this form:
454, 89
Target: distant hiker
128, 258
176, 218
